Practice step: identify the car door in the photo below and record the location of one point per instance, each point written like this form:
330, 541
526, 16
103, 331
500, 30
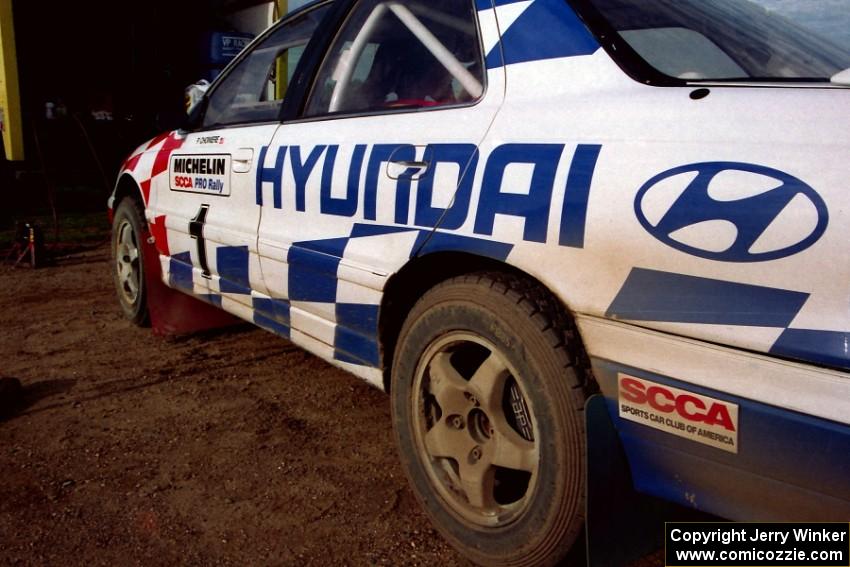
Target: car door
209, 202
384, 150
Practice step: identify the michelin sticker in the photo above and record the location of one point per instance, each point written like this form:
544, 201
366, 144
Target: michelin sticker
205, 174
685, 414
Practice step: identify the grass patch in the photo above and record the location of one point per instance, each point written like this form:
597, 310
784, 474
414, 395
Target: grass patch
74, 228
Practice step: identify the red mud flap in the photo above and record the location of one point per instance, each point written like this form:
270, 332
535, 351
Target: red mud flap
173, 312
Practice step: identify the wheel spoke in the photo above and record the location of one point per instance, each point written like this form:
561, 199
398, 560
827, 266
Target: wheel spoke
489, 383
511, 450
133, 254
445, 441
478, 483
132, 285
123, 237
447, 385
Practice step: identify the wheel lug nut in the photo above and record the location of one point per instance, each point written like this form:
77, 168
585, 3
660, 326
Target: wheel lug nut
456, 421
475, 455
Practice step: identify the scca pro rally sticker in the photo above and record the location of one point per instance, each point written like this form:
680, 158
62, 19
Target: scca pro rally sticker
699, 418
206, 174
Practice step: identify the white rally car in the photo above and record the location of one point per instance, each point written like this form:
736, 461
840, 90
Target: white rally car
494, 209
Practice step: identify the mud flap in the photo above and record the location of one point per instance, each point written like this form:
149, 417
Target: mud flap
622, 525
173, 312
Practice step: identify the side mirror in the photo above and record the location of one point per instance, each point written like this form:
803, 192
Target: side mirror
195, 93
196, 104
195, 118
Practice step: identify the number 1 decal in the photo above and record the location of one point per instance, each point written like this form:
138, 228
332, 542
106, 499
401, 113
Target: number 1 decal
196, 230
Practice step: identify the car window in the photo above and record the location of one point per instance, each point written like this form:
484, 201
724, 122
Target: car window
253, 90
401, 54
683, 53
735, 39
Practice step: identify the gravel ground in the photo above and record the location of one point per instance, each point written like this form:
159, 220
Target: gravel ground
229, 447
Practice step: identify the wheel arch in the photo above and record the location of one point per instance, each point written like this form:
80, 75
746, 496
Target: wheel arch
127, 186
405, 287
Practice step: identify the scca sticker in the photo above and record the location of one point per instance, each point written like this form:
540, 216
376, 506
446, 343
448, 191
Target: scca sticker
685, 414
205, 174
732, 212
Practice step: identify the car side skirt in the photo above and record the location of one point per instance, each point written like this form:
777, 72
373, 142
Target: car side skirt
753, 479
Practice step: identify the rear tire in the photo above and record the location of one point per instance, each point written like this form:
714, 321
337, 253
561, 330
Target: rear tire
128, 267
487, 409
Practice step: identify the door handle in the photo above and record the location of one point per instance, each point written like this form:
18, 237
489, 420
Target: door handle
412, 164
407, 169
242, 160
402, 163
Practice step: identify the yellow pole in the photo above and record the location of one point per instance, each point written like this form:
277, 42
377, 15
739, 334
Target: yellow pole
10, 100
282, 62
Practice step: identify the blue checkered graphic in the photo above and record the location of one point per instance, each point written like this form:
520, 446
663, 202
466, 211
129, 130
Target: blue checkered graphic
313, 279
180, 272
232, 265
313, 269
651, 295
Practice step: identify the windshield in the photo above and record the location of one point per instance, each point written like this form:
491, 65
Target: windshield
761, 40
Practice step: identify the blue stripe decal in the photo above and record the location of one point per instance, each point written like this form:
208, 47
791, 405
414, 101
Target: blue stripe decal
354, 347
275, 309
547, 29
211, 298
574, 213
331, 247
828, 348
272, 315
312, 275
361, 318
356, 334
313, 269
232, 266
490, 4
272, 326
649, 295
180, 271
345, 357
428, 243
363, 230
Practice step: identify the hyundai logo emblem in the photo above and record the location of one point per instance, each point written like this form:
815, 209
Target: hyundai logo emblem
732, 212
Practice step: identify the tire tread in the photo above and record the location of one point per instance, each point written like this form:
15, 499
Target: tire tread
560, 335
141, 317
546, 312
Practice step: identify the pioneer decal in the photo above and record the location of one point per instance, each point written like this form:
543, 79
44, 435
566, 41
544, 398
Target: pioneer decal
203, 140
205, 174
699, 418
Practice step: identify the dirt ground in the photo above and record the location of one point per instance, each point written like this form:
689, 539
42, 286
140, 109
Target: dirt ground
229, 447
